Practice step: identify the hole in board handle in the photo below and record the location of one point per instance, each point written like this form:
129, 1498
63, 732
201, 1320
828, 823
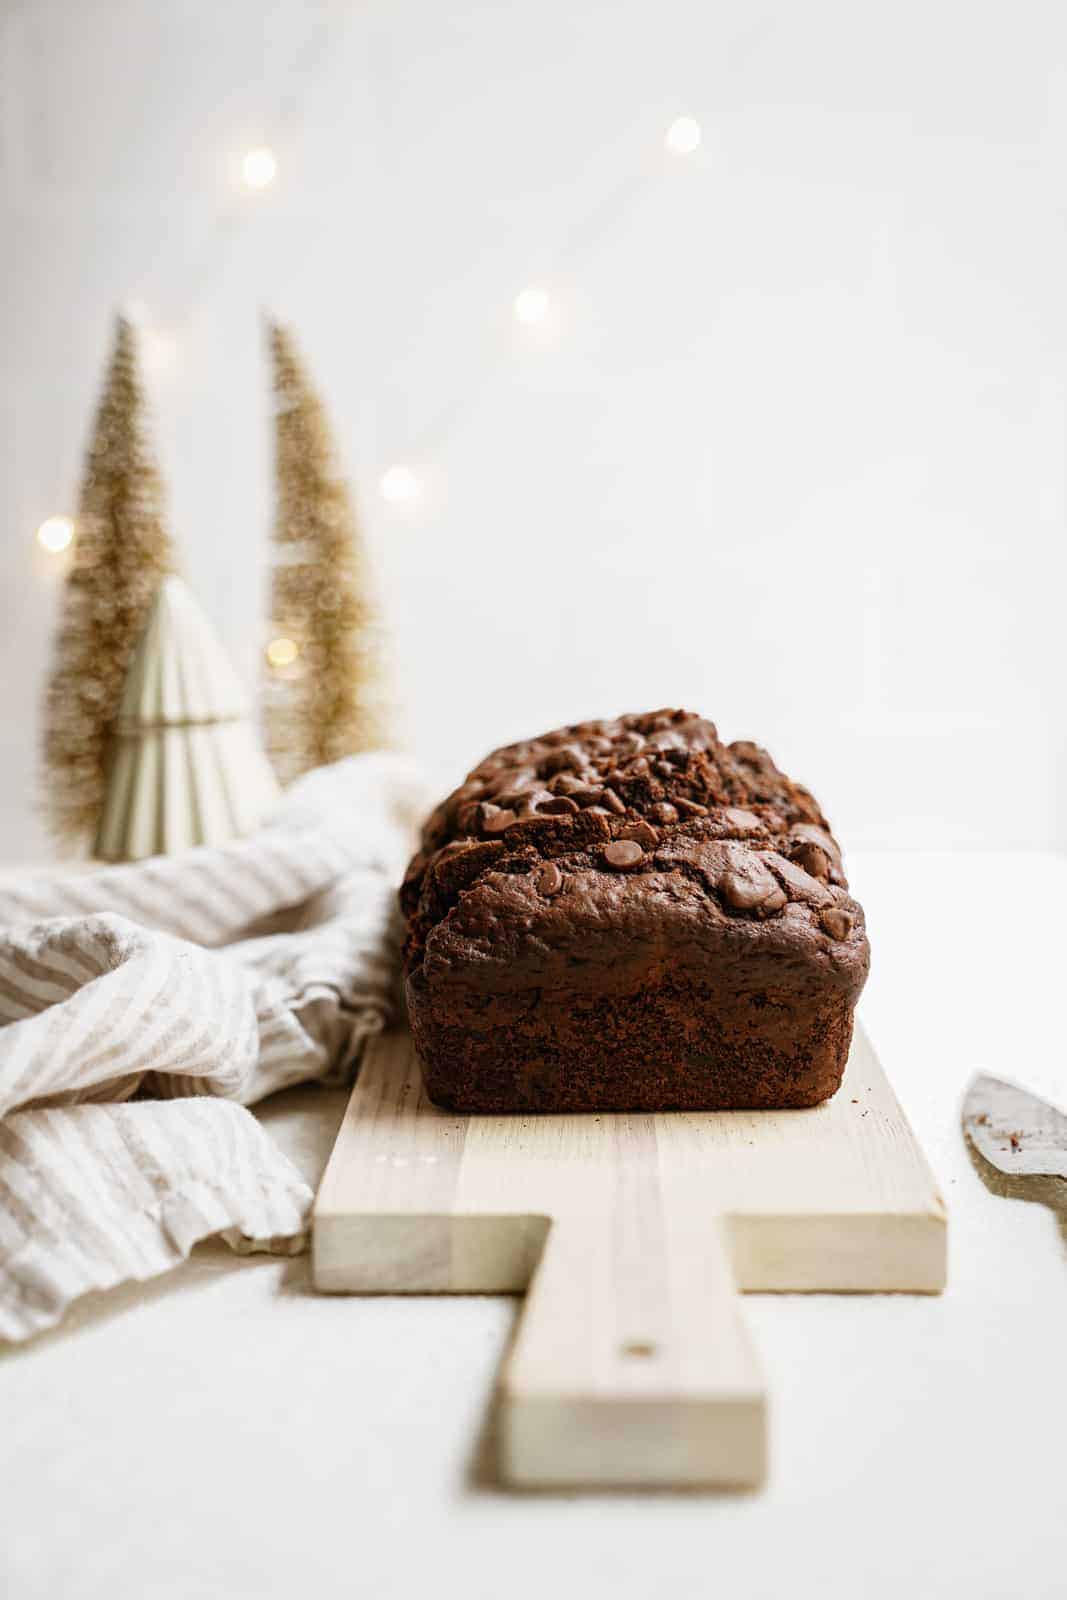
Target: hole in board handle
641, 1349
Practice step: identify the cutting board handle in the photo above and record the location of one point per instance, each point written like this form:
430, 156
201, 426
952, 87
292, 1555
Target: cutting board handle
632, 1363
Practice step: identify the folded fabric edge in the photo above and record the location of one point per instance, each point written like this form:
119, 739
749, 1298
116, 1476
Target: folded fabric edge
43, 1278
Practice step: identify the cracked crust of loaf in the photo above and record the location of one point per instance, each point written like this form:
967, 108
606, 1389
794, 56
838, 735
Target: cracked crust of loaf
631, 915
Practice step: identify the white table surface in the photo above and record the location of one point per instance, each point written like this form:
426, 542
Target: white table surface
224, 1432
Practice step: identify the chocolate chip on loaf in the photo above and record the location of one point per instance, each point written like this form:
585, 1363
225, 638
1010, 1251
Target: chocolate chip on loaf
754, 890
498, 821
549, 879
642, 834
557, 805
836, 921
565, 758
742, 821
800, 884
623, 853
814, 859
564, 783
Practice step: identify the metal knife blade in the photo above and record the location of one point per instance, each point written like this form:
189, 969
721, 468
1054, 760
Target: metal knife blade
1016, 1132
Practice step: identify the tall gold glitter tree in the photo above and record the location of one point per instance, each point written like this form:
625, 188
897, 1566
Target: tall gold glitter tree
325, 691
121, 552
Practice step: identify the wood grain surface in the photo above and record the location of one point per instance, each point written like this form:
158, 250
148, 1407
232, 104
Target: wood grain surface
633, 1234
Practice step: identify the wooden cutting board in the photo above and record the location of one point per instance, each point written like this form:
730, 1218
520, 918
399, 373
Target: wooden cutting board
633, 1234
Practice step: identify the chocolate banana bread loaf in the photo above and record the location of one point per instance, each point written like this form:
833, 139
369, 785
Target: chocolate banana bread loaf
631, 916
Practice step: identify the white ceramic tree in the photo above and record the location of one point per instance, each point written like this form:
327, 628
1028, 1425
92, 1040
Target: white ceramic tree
187, 767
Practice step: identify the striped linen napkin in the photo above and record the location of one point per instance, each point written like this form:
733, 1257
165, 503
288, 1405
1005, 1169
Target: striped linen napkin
143, 1007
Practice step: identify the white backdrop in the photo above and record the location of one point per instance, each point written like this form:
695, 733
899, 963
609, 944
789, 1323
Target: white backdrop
792, 451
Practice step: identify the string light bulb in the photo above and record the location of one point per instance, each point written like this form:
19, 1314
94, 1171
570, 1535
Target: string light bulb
683, 136
55, 534
259, 168
531, 306
399, 485
282, 652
